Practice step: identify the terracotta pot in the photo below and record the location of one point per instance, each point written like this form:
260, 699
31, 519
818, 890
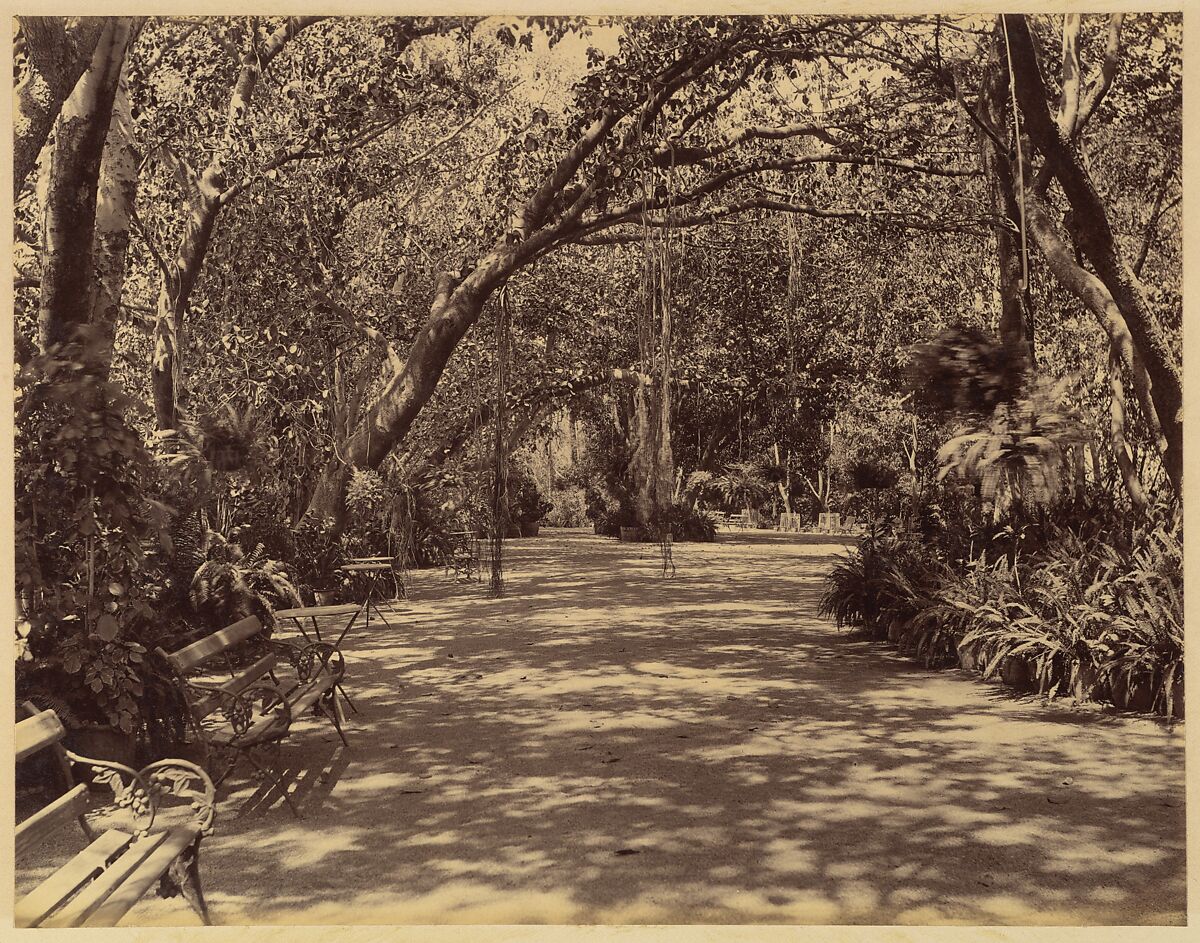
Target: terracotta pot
325, 597
968, 657
1177, 697
100, 742
1133, 694
1014, 671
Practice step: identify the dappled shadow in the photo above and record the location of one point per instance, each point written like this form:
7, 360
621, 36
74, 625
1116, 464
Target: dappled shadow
602, 745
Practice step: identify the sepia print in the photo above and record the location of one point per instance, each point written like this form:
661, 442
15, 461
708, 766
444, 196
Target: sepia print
599, 470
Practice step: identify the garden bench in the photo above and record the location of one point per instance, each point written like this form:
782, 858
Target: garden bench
719, 519
100, 884
462, 556
253, 709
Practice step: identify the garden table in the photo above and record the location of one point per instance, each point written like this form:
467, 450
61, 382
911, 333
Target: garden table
314, 614
371, 567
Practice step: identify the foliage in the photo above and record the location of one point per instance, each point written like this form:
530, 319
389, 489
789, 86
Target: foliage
88, 597
319, 553
741, 484
232, 585
569, 507
963, 369
366, 493
684, 522
1090, 602
229, 438
525, 502
1018, 456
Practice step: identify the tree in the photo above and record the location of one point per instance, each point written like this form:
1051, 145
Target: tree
1115, 292
635, 119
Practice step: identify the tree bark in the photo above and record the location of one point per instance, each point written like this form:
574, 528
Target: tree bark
57, 51
1016, 322
68, 284
1090, 226
389, 418
1095, 296
116, 197
1129, 473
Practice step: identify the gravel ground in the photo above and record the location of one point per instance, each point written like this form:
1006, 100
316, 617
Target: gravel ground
605, 746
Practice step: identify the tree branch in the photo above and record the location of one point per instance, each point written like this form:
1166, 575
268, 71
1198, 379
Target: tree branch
1108, 70
1155, 216
1072, 78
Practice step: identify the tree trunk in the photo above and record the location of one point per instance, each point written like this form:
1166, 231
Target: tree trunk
117, 195
1090, 226
1129, 474
1095, 296
391, 415
1016, 322
57, 52
68, 286
207, 197
166, 370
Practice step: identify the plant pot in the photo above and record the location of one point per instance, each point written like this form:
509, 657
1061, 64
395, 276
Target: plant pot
968, 657
100, 742
1133, 694
530, 529
631, 535
325, 597
1014, 671
1177, 697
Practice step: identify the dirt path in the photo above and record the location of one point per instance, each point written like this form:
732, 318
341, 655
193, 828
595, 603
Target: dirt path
605, 746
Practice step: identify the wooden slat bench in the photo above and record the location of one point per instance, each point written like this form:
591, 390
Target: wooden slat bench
98, 886
253, 709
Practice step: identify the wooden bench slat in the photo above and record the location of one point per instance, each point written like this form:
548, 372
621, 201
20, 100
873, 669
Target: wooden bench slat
85, 903
37, 732
35, 906
50, 818
304, 698
199, 652
149, 871
243, 680
257, 732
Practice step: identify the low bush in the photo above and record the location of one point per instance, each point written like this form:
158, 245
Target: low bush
1080, 602
570, 508
684, 523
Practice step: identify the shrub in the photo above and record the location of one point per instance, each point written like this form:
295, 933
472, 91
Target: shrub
569, 508
963, 369
684, 523
1091, 603
88, 595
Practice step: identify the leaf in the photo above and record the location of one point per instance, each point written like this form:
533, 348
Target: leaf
116, 589
107, 627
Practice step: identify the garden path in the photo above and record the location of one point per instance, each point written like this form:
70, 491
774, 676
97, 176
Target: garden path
602, 745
